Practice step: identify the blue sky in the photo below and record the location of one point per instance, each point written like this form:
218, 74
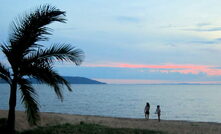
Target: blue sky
128, 41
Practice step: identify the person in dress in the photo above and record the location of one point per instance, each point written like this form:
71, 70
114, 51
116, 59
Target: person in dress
147, 110
158, 112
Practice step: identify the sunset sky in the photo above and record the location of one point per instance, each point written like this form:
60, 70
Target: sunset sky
134, 41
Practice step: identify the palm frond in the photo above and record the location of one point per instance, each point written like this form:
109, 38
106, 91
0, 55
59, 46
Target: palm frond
5, 73
29, 99
46, 74
7, 52
63, 52
32, 28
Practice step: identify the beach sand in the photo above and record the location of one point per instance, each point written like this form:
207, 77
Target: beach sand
172, 127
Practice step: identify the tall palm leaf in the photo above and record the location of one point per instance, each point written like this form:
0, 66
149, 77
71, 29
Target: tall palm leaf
28, 97
5, 73
29, 59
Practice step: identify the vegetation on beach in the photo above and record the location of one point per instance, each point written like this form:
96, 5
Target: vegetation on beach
84, 128
28, 57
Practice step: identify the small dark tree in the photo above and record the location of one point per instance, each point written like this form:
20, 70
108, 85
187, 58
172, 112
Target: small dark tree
28, 58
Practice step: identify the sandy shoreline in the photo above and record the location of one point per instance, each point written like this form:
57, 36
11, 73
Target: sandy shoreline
174, 127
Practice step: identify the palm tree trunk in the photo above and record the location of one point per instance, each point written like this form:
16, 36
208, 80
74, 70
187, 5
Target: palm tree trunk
12, 104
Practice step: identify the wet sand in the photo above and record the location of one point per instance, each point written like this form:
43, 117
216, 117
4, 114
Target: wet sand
172, 127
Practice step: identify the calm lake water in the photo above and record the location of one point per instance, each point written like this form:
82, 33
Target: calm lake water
178, 102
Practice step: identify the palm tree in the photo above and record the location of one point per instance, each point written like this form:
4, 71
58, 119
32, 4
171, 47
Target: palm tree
27, 58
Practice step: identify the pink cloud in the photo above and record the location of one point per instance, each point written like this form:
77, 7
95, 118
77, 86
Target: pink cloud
135, 81
208, 71
168, 68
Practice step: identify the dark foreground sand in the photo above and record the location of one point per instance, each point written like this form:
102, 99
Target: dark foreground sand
172, 127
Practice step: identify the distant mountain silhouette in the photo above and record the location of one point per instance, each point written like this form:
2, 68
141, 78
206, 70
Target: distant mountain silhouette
81, 80
70, 79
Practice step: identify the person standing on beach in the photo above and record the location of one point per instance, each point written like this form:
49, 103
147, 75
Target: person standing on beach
158, 112
147, 110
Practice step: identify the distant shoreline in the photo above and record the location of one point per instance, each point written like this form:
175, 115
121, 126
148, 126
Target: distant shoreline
84, 80
123, 84
70, 79
172, 127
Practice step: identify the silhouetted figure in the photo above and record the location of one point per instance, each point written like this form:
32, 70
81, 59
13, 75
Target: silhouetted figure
158, 112
147, 110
